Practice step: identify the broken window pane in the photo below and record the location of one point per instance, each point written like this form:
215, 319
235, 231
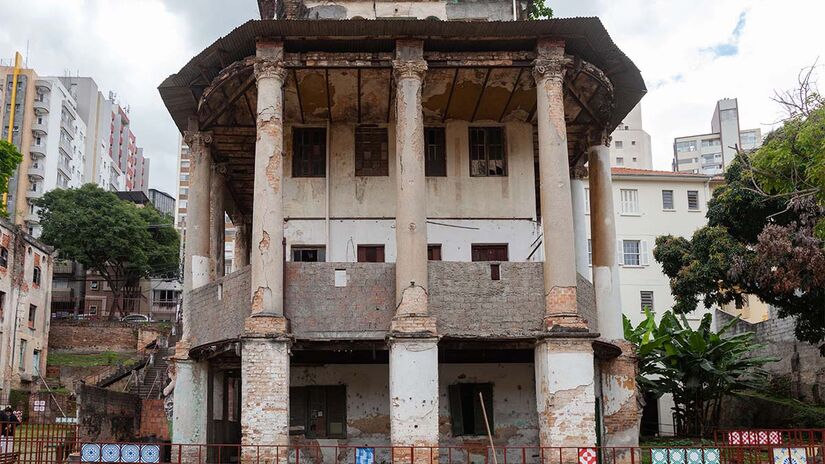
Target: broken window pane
309, 148
371, 151
487, 157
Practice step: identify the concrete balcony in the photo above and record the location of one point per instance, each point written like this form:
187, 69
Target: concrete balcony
39, 128
34, 194
41, 107
65, 168
36, 170
32, 218
38, 151
66, 147
466, 302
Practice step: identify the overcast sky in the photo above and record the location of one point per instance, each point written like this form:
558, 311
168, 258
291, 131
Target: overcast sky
691, 53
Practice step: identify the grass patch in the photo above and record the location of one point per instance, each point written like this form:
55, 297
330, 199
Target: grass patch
105, 358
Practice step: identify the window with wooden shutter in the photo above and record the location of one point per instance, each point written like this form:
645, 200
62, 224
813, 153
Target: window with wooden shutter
318, 411
434, 252
370, 253
466, 413
693, 199
309, 152
489, 252
435, 163
667, 199
371, 151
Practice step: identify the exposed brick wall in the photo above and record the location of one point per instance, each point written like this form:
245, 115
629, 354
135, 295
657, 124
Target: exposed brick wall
153, 421
106, 415
799, 361
459, 292
92, 336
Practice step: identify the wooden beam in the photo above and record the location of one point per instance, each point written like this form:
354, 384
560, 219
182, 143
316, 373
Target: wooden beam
510, 97
450, 97
230, 101
481, 94
298, 93
580, 101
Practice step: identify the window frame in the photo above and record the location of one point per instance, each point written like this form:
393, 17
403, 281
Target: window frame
486, 148
672, 202
37, 275
434, 252
32, 317
380, 167
652, 299
477, 248
363, 249
633, 201
456, 394
435, 155
320, 250
303, 395
698, 206
303, 155
631, 253
4, 257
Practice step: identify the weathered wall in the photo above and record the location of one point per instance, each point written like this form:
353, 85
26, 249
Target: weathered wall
458, 195
455, 10
72, 335
153, 423
106, 415
799, 362
316, 308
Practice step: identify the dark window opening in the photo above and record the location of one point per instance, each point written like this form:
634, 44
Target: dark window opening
309, 148
466, 413
495, 271
318, 411
370, 253
487, 152
316, 254
32, 315
489, 252
434, 252
4, 257
36, 276
435, 146
371, 151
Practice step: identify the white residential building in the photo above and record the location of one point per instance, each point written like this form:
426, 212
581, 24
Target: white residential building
711, 153
631, 144
58, 145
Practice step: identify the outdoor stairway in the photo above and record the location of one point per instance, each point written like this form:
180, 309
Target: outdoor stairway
153, 378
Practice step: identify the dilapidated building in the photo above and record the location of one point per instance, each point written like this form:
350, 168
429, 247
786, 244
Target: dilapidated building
399, 177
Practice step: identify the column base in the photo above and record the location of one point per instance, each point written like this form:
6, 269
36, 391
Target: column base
265, 398
565, 395
414, 399
190, 405
622, 412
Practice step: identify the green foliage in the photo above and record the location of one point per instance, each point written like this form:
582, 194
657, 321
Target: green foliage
116, 238
697, 366
537, 9
10, 158
106, 358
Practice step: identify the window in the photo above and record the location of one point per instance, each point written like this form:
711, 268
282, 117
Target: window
36, 275
633, 143
309, 254
667, 199
619, 161
711, 143
309, 152
466, 413
646, 297
589, 252
489, 252
619, 144
689, 145
22, 356
371, 151
32, 315
370, 253
487, 152
36, 361
630, 201
633, 253
92, 310
184, 176
434, 252
318, 411
586, 200
4, 257
435, 146
94, 285
693, 199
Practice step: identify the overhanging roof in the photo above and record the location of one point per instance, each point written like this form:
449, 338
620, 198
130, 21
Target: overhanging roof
585, 38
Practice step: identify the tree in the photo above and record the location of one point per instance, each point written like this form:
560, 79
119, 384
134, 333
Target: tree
698, 367
10, 158
766, 226
537, 9
116, 238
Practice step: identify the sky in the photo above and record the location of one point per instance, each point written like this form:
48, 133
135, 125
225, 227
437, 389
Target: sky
691, 53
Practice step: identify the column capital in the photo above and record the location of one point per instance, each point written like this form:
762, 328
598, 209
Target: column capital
549, 67
221, 168
409, 69
268, 68
197, 139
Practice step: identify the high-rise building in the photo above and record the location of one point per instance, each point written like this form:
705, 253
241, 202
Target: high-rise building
630, 146
711, 153
163, 202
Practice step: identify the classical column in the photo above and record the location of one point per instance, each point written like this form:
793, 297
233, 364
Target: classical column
413, 341
265, 353
564, 364
189, 410
622, 414
577, 192
556, 201
603, 242
241, 243
217, 222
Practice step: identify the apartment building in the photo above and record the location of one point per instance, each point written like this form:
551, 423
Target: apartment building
25, 294
712, 152
408, 239
630, 146
163, 202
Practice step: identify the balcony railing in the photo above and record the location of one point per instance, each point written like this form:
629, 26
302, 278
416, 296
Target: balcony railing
41, 106
39, 128
66, 147
36, 170
38, 151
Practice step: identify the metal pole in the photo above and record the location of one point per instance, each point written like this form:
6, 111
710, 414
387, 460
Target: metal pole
487, 425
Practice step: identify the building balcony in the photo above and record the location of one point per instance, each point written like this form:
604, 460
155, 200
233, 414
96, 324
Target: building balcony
66, 147
34, 194
32, 218
356, 301
41, 106
39, 128
36, 170
38, 151
65, 168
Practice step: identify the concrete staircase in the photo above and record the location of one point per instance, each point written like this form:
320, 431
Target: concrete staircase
152, 378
